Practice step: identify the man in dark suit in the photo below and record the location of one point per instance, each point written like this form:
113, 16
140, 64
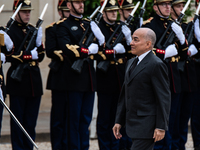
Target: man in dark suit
144, 102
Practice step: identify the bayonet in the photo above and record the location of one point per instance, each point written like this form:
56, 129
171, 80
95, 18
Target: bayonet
178, 21
1, 8
94, 13
12, 19
127, 22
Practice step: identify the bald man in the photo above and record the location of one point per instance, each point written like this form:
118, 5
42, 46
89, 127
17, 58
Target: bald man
144, 102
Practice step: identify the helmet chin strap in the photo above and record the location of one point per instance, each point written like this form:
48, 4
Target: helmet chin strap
107, 17
159, 10
124, 15
21, 19
175, 12
75, 9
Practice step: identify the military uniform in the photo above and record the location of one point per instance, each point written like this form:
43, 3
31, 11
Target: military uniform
5, 51
79, 87
194, 108
189, 87
159, 25
109, 84
125, 142
25, 95
59, 120
195, 122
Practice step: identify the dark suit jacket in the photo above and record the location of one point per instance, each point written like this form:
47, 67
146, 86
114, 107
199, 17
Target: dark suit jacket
144, 102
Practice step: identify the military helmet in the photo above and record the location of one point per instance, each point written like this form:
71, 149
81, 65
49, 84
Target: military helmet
174, 2
26, 4
111, 5
62, 5
161, 1
126, 4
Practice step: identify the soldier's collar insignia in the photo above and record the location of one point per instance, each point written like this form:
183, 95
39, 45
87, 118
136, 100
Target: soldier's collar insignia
27, 2
77, 19
112, 2
130, 1
74, 28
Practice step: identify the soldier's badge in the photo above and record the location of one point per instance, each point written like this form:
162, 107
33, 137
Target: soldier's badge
27, 2
74, 28
112, 2
130, 1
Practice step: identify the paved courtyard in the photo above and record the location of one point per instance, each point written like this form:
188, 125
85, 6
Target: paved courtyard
42, 137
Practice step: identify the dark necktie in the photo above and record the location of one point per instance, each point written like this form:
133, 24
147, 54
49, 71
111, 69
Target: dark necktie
133, 65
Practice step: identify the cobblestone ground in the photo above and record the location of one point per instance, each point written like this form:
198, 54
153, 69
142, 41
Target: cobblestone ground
93, 145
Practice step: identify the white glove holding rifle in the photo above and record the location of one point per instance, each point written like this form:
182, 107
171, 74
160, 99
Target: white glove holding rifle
119, 48
170, 51
127, 33
3, 58
97, 33
192, 50
7, 41
39, 37
179, 32
93, 49
34, 54
197, 30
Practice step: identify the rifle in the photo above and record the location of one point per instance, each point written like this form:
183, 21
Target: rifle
78, 64
163, 43
103, 65
189, 31
142, 11
17, 73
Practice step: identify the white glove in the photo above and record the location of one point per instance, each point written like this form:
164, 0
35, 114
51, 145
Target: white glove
170, 51
192, 50
119, 48
97, 32
197, 30
34, 54
3, 58
1, 94
141, 21
39, 37
8, 42
93, 49
127, 33
179, 32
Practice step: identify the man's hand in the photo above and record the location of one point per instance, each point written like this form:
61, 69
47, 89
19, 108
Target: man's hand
97, 32
34, 54
127, 33
179, 32
39, 37
7, 40
197, 30
158, 134
116, 132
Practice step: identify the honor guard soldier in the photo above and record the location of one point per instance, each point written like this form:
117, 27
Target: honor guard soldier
126, 7
179, 120
24, 91
6, 46
59, 120
79, 87
170, 55
195, 121
110, 80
